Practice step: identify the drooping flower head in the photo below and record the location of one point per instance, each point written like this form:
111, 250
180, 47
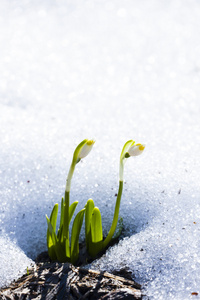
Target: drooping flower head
81, 151
86, 148
135, 150
129, 149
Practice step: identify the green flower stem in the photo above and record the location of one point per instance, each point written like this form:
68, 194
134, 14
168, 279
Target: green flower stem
70, 174
119, 195
66, 220
59, 244
66, 201
115, 218
66, 217
121, 169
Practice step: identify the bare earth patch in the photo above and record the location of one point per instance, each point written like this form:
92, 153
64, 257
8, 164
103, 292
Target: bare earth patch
53, 280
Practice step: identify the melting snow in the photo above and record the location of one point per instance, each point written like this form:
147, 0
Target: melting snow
112, 71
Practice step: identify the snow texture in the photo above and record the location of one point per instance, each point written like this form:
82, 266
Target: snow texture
112, 71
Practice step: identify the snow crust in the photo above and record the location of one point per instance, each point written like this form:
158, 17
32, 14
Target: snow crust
112, 71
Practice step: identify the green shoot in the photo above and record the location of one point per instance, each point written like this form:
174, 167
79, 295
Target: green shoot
78, 221
59, 246
93, 228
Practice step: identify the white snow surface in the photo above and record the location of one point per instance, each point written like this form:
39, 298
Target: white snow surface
112, 71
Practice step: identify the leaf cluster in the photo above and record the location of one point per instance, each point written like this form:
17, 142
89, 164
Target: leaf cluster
65, 249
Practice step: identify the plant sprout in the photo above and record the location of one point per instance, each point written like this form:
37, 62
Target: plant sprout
59, 245
93, 225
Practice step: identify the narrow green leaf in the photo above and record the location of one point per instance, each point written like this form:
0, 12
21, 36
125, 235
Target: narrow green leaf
96, 226
61, 217
60, 234
67, 249
96, 242
88, 217
66, 216
53, 217
60, 252
76, 228
56, 251
53, 220
51, 240
51, 231
65, 239
72, 209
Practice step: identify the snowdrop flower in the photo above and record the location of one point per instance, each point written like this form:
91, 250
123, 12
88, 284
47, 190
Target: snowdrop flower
85, 150
135, 150
129, 149
81, 151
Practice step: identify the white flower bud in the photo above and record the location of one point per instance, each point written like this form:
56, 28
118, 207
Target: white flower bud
136, 150
85, 150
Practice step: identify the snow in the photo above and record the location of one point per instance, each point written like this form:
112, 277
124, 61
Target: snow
112, 71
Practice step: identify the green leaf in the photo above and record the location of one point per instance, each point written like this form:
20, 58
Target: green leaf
60, 252
76, 228
51, 231
53, 217
56, 251
71, 212
67, 249
72, 209
88, 218
60, 234
65, 240
96, 226
51, 240
95, 245
66, 216
60, 230
52, 221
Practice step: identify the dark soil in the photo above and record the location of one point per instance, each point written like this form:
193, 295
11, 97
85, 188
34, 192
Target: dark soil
53, 280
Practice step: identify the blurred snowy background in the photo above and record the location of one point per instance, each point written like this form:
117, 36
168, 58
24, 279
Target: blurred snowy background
112, 71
